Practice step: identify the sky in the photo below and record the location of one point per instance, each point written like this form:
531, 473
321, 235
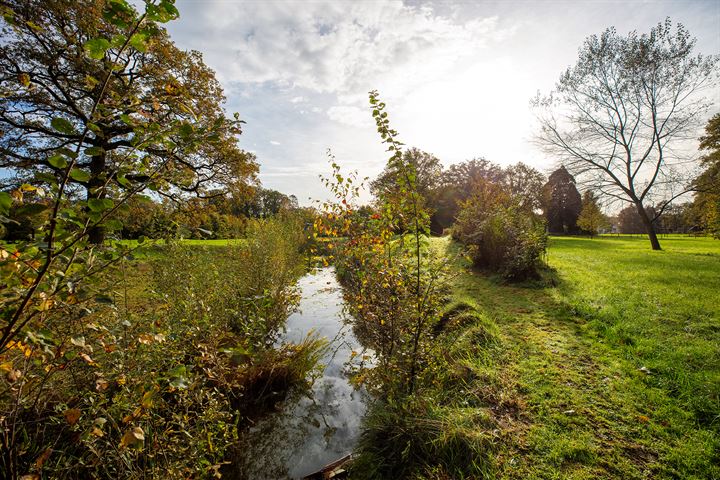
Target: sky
457, 77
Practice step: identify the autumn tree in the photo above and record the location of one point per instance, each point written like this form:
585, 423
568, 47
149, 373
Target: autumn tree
456, 186
525, 183
707, 185
159, 122
618, 118
427, 171
561, 202
591, 218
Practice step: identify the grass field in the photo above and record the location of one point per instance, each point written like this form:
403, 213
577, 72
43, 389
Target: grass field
609, 367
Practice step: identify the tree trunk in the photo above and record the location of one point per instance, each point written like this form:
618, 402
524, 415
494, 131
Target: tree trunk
96, 235
649, 227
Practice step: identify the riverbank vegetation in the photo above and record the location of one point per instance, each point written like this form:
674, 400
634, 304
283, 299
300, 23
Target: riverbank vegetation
161, 370
121, 360
574, 375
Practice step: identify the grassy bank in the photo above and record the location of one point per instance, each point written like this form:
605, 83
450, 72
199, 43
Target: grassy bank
608, 368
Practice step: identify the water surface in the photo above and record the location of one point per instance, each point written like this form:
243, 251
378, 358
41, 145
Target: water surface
320, 426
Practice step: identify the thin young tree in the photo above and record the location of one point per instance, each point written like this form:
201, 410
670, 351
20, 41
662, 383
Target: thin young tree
591, 218
620, 117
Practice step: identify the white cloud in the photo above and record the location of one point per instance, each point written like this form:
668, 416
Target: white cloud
456, 76
334, 47
350, 115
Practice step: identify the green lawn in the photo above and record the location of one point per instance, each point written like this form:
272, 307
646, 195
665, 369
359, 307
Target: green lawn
193, 242
610, 367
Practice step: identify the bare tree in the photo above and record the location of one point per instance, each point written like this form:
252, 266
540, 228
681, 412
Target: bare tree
618, 119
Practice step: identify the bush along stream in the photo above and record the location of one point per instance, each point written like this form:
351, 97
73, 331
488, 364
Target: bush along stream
157, 368
395, 287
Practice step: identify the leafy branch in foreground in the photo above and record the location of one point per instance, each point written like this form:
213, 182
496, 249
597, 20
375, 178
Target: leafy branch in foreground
96, 98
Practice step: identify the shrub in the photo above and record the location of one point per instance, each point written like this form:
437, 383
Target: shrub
501, 235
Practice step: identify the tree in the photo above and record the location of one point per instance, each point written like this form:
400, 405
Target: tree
456, 186
591, 218
706, 204
629, 221
266, 203
618, 117
500, 232
525, 183
677, 218
427, 170
561, 202
159, 121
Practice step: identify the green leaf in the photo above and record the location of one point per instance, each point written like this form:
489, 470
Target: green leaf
30, 209
123, 181
100, 204
113, 224
178, 377
163, 12
186, 130
62, 125
79, 175
97, 47
94, 151
5, 203
139, 42
57, 161
118, 41
67, 152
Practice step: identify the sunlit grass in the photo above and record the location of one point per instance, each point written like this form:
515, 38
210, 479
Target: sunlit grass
609, 368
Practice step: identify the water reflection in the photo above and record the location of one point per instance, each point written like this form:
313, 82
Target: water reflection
317, 427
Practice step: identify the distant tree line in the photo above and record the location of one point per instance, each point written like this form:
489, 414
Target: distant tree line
220, 214
556, 199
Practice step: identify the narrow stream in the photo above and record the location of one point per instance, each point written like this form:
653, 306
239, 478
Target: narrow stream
323, 425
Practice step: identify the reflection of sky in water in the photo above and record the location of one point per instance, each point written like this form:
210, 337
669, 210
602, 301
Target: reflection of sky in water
322, 426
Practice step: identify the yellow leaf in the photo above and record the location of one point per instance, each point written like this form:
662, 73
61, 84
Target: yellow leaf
135, 437
72, 415
147, 399
87, 358
43, 458
24, 79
